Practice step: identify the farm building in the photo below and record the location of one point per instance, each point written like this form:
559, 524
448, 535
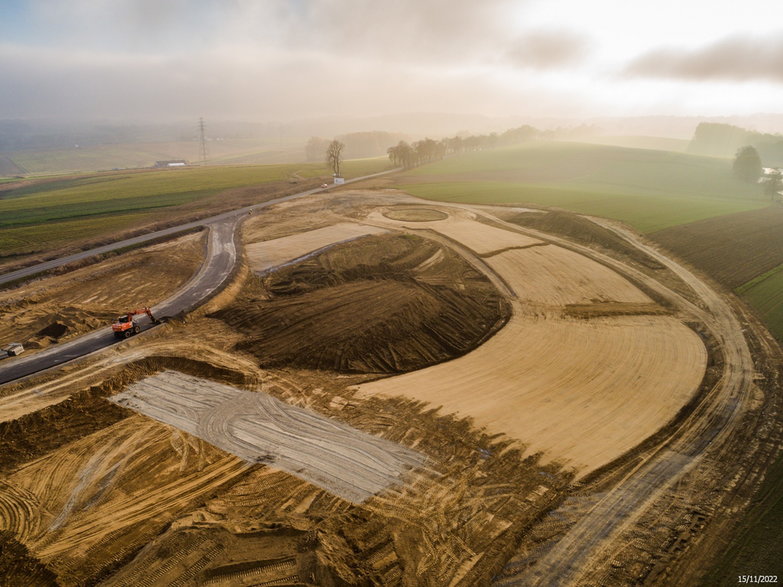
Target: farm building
173, 163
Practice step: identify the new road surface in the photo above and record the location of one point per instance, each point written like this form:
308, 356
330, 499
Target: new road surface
213, 275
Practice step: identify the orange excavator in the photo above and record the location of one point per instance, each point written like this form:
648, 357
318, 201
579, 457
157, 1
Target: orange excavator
125, 326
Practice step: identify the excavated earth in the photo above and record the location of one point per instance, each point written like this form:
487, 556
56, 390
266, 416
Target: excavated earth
345, 413
384, 304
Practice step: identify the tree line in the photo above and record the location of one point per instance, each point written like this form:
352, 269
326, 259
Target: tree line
428, 150
747, 167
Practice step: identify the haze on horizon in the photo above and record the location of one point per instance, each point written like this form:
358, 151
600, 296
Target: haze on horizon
292, 59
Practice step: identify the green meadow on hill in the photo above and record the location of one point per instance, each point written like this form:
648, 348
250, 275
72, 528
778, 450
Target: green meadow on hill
650, 190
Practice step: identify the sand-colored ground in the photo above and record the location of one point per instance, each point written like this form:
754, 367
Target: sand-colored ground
586, 368
261, 429
271, 253
554, 276
613, 380
581, 391
460, 226
60, 307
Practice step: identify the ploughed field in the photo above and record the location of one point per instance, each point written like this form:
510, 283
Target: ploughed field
389, 393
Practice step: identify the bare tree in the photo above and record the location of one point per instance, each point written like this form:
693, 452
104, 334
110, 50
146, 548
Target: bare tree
334, 156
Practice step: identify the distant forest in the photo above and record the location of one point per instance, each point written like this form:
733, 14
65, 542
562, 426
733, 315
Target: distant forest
723, 140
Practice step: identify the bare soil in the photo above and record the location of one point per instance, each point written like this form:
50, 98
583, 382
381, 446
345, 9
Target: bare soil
586, 367
261, 429
415, 214
383, 304
267, 254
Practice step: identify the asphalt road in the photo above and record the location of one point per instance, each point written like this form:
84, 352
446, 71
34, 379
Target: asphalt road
220, 261
218, 266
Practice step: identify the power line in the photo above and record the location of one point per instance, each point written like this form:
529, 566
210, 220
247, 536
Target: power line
203, 152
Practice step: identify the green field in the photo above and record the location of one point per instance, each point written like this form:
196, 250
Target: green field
45, 215
87, 158
765, 293
649, 190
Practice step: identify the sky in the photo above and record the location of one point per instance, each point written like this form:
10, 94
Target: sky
265, 60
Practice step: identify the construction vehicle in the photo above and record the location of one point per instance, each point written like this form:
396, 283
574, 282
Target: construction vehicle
125, 326
12, 350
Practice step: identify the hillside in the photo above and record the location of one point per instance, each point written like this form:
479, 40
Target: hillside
649, 189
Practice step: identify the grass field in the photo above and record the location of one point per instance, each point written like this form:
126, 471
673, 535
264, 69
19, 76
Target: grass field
649, 190
733, 249
46, 215
86, 158
765, 293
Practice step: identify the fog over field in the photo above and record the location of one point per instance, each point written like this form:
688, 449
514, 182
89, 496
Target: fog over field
280, 60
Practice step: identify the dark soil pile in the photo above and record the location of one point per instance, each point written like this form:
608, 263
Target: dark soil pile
382, 304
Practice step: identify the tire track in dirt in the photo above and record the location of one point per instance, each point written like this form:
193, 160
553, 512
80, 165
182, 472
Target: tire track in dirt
19, 511
139, 508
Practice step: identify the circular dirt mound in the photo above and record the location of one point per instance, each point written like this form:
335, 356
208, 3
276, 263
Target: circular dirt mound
416, 215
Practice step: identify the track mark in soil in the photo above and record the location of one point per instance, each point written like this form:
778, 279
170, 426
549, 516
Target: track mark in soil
261, 429
505, 249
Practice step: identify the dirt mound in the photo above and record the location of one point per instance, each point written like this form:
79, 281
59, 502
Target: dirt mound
36, 434
53, 330
602, 309
385, 304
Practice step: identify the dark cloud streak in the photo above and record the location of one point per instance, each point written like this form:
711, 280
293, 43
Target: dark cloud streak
736, 58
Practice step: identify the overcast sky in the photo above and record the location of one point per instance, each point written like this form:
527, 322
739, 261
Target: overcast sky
288, 59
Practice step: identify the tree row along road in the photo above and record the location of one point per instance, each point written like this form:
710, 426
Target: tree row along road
217, 267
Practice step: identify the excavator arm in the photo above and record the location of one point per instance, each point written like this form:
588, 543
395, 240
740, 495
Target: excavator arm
124, 326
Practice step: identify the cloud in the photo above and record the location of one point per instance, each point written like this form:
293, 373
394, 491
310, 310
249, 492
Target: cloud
264, 85
735, 58
435, 31
548, 49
